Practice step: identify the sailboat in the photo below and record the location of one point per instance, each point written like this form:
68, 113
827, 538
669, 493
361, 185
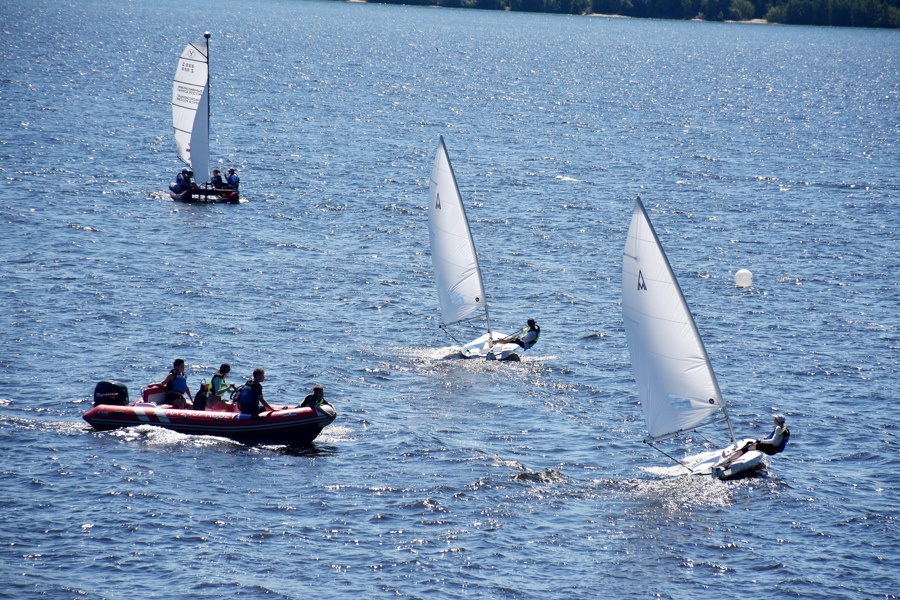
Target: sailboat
676, 383
456, 270
190, 119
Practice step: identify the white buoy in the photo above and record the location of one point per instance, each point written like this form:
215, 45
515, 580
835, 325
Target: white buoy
743, 278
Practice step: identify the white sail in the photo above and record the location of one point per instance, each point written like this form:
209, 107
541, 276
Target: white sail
456, 270
676, 383
190, 108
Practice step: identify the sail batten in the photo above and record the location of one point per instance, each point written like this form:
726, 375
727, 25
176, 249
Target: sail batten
456, 269
190, 108
676, 384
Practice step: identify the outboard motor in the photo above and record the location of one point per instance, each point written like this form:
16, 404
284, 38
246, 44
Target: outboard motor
110, 392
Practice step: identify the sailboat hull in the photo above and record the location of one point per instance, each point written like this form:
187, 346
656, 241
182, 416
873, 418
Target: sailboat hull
204, 195
721, 468
480, 348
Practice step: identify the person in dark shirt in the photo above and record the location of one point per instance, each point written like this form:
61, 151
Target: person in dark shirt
316, 398
251, 401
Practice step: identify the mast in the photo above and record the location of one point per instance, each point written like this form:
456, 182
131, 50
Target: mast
208, 103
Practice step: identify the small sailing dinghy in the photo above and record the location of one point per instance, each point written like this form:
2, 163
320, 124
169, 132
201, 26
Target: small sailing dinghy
456, 269
676, 383
190, 119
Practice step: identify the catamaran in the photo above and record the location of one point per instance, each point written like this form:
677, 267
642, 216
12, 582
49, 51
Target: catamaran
676, 383
190, 119
456, 270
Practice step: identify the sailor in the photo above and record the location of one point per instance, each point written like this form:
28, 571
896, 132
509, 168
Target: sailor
529, 337
217, 182
251, 401
179, 179
233, 180
176, 386
776, 441
316, 398
770, 446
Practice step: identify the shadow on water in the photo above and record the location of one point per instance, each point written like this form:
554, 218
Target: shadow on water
310, 450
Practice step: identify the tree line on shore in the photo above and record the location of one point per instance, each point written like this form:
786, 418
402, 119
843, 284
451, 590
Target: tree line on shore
840, 13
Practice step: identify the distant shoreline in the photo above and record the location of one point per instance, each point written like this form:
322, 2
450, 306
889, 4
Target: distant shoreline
602, 15
877, 14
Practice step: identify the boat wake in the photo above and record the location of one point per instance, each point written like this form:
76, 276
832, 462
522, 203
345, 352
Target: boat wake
160, 436
679, 493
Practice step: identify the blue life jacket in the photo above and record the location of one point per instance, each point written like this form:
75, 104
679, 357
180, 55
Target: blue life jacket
784, 439
247, 401
179, 383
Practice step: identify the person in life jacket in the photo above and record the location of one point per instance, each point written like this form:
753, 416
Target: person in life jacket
316, 398
181, 177
233, 181
217, 389
176, 386
529, 337
776, 441
771, 445
251, 400
217, 182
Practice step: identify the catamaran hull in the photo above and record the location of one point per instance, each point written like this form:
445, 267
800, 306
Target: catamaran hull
721, 468
293, 427
204, 195
480, 348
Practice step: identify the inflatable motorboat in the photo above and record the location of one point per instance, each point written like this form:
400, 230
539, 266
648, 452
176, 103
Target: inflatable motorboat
292, 426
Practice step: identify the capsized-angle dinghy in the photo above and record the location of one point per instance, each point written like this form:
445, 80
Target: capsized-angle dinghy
294, 426
456, 270
190, 120
676, 383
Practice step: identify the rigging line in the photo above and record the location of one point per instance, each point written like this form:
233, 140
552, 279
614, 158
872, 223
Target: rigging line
708, 441
669, 455
450, 335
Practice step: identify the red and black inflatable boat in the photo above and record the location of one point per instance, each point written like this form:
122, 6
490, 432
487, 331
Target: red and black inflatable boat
293, 426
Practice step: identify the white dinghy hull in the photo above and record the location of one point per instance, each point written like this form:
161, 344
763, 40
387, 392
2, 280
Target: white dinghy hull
720, 468
481, 348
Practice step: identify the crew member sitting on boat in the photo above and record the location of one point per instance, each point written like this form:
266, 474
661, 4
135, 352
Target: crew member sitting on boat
771, 445
316, 398
233, 180
176, 386
182, 178
251, 401
217, 388
529, 337
217, 182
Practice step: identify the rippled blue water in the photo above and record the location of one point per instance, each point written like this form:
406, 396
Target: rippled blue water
774, 149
